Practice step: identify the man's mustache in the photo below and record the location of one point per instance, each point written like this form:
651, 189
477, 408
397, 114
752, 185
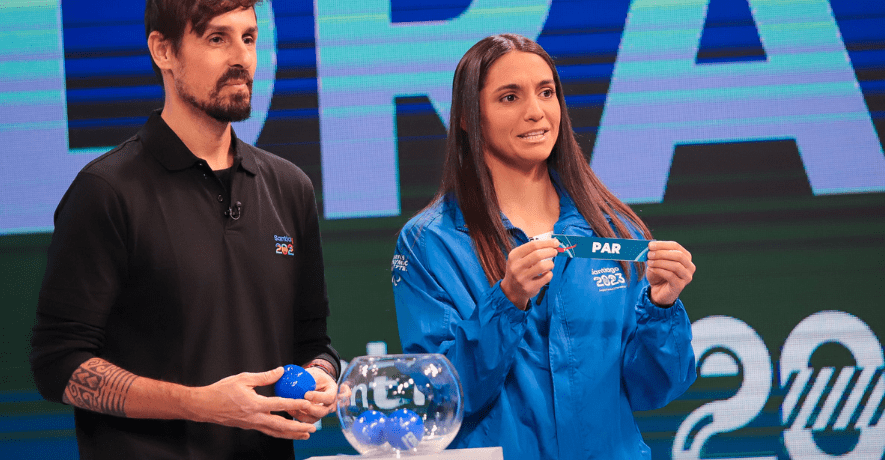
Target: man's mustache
235, 74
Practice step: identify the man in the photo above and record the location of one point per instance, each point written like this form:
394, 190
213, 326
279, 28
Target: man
184, 265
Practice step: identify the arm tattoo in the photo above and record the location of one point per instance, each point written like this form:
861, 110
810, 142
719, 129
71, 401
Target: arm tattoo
99, 386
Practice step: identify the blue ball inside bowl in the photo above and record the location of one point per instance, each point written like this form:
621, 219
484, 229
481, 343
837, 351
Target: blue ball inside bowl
404, 429
368, 428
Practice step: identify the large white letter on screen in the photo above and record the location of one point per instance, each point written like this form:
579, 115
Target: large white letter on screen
364, 62
806, 90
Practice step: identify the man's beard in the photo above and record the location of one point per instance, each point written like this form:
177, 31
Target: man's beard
236, 107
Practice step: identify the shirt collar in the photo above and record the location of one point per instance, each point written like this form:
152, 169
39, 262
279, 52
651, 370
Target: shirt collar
170, 151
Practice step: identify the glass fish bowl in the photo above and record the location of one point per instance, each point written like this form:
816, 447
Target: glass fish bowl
400, 404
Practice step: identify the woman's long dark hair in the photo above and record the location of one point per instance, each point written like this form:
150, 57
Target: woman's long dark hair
466, 175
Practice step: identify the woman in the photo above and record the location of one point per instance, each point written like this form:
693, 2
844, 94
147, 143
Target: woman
552, 365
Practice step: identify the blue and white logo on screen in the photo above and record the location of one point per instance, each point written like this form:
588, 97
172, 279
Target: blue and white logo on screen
815, 401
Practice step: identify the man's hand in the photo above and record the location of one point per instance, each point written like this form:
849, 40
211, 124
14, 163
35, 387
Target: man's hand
322, 401
669, 270
232, 401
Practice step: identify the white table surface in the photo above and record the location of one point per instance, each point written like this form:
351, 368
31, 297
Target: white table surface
482, 453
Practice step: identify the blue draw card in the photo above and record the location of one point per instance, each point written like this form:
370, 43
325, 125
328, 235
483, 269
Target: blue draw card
603, 248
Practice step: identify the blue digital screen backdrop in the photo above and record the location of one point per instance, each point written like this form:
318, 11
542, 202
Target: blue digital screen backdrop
751, 131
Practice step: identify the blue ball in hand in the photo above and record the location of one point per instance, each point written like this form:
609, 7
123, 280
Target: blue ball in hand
294, 383
368, 428
404, 429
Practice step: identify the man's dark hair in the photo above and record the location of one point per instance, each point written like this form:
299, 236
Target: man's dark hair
171, 17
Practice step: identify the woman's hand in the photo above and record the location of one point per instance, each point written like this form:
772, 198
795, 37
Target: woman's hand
529, 267
669, 270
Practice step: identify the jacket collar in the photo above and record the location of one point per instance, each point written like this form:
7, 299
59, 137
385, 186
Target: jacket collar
450, 205
170, 151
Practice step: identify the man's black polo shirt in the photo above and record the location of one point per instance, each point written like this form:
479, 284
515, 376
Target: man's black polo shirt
149, 270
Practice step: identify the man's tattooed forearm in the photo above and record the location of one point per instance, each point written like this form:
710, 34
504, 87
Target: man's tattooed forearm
99, 386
